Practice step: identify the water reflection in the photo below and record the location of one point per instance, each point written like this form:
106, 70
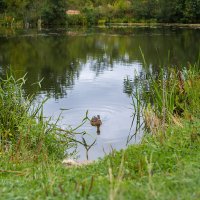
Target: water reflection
88, 70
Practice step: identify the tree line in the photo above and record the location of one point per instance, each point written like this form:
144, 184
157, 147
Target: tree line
52, 12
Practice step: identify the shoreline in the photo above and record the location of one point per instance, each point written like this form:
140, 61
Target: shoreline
112, 24
193, 26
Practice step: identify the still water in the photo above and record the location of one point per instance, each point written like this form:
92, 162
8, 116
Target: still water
87, 70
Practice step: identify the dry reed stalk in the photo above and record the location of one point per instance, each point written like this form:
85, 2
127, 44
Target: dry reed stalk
181, 82
176, 121
152, 121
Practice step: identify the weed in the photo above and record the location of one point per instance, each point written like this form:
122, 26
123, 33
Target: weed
24, 134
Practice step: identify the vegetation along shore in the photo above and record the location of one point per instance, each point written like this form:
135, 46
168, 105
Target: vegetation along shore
92, 12
50, 39
165, 165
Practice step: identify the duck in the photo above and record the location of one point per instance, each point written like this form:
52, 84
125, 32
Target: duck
96, 121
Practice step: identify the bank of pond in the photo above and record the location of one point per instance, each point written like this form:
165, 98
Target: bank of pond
164, 165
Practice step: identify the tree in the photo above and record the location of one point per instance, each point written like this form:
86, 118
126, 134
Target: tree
145, 9
171, 10
55, 14
2, 6
192, 11
17, 8
121, 8
37, 9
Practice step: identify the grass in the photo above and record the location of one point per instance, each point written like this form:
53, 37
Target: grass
151, 170
24, 134
163, 166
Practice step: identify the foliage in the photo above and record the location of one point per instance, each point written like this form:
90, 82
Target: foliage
2, 6
192, 11
167, 94
24, 134
158, 168
145, 9
76, 20
163, 166
53, 12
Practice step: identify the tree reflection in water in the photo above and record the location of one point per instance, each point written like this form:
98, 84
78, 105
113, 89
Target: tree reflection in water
60, 57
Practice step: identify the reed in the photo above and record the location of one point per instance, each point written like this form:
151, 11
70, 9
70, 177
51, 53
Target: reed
153, 169
165, 97
24, 134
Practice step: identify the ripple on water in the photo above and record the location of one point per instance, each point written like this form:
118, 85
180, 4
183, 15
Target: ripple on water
116, 120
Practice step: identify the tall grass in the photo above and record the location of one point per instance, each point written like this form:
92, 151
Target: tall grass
176, 95
24, 134
166, 96
154, 169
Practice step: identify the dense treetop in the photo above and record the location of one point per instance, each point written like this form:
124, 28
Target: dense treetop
93, 11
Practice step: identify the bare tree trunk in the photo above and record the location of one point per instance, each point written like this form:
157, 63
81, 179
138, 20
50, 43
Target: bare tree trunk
39, 24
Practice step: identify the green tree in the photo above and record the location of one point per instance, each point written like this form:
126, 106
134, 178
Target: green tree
55, 13
2, 6
192, 11
121, 8
145, 9
171, 10
37, 8
17, 8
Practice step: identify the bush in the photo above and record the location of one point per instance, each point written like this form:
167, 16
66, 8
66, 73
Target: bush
76, 20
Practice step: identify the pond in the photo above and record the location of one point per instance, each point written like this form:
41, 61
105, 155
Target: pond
87, 70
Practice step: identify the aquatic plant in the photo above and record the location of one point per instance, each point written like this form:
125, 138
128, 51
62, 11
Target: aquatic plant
167, 96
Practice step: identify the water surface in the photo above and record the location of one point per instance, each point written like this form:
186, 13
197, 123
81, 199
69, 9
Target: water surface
87, 69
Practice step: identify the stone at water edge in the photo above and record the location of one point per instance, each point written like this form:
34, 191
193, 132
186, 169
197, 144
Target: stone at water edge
73, 163
69, 162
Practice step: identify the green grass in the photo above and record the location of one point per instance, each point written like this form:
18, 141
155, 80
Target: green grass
156, 169
163, 166
24, 134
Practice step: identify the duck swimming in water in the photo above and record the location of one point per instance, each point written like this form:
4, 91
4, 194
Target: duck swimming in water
96, 121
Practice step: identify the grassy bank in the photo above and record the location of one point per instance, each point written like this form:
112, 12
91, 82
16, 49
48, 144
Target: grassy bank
151, 170
164, 166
